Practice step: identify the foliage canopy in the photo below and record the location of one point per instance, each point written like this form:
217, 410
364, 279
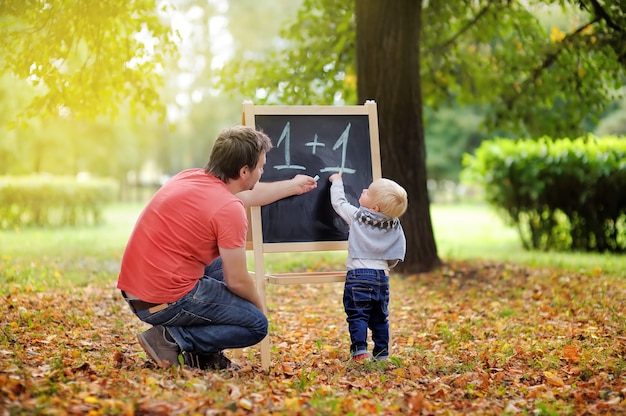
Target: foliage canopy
85, 58
534, 80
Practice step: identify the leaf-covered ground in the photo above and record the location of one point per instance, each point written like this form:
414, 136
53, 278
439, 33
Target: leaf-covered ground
471, 338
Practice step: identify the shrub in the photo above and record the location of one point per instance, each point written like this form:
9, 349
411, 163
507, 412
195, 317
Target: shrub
561, 194
46, 201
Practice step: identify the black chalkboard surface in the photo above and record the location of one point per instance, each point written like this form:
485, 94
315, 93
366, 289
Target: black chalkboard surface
316, 141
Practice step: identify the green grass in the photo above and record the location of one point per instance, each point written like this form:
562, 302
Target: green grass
40, 259
476, 231
92, 240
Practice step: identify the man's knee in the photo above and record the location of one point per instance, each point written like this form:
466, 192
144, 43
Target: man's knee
260, 328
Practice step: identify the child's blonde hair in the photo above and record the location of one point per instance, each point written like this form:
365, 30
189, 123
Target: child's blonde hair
390, 197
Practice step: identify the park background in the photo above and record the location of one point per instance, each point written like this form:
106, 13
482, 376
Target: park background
493, 329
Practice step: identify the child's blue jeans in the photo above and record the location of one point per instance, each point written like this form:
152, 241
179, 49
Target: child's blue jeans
366, 302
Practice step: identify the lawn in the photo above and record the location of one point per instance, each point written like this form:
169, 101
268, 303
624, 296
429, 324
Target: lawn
57, 258
41, 259
476, 231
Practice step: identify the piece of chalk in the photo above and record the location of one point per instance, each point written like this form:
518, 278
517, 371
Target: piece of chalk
316, 177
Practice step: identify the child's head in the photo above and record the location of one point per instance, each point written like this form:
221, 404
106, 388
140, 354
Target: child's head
385, 196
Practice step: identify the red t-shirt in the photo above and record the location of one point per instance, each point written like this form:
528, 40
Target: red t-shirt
178, 233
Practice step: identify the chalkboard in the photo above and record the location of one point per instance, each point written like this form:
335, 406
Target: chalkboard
315, 140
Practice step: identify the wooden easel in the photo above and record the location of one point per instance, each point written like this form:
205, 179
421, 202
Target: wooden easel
255, 233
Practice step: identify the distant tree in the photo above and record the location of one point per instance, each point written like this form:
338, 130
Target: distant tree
614, 121
75, 63
14, 95
212, 33
407, 53
450, 132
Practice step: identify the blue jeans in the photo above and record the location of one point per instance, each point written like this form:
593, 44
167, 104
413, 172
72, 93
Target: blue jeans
210, 318
366, 302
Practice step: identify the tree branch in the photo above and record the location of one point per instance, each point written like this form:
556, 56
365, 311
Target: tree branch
601, 13
465, 28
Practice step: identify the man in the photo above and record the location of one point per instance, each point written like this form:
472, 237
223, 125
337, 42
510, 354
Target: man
184, 268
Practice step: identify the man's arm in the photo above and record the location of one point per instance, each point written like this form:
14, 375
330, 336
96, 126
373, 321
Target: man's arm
237, 277
265, 193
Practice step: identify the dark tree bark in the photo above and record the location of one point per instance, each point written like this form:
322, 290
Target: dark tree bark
388, 72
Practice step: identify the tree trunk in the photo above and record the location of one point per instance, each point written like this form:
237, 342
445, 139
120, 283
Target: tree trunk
388, 72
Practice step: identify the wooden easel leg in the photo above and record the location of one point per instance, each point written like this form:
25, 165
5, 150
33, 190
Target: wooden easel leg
265, 352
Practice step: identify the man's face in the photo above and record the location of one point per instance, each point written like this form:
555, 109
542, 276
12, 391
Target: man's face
255, 174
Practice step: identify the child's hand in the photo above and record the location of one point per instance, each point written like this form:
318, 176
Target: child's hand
335, 176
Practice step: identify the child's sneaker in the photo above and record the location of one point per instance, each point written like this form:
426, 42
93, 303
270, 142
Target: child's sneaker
361, 357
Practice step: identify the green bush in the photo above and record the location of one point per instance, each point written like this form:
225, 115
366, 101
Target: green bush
48, 201
562, 194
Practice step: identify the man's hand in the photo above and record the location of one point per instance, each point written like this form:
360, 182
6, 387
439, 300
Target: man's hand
265, 193
303, 184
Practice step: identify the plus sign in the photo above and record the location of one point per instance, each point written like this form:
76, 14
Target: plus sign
314, 144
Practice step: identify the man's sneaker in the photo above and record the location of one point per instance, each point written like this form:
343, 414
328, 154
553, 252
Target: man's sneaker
155, 343
210, 361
